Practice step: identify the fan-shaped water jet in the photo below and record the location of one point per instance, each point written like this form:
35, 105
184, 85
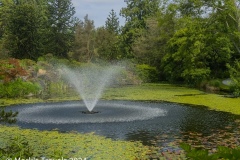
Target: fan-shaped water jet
90, 82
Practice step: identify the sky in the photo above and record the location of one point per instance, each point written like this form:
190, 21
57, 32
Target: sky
98, 10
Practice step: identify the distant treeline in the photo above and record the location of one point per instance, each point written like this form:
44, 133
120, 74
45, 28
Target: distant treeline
185, 40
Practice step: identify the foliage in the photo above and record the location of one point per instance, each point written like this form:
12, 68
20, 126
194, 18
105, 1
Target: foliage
135, 13
196, 154
11, 70
107, 45
112, 23
59, 89
16, 148
195, 76
84, 44
215, 83
221, 153
53, 144
198, 37
235, 77
186, 53
14, 80
61, 23
23, 33
147, 73
18, 88
7, 117
146, 48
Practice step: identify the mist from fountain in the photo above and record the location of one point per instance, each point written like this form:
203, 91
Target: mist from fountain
90, 82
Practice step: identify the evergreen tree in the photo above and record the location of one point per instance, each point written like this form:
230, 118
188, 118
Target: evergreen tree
61, 23
112, 23
23, 28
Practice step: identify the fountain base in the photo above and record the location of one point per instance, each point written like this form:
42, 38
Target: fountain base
90, 112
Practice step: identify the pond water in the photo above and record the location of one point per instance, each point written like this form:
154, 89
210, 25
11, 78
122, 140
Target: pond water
148, 122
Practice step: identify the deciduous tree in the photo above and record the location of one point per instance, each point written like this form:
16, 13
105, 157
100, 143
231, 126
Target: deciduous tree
84, 44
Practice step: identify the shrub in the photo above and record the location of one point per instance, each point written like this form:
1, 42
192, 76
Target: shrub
147, 73
11, 70
221, 153
58, 89
235, 77
18, 88
215, 83
195, 76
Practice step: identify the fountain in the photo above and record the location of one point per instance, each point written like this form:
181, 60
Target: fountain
90, 82
152, 123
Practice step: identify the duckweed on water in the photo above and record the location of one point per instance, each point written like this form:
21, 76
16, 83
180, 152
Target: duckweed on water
48, 143
156, 92
177, 94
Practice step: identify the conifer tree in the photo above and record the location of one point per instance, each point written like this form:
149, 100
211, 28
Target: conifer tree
112, 22
61, 23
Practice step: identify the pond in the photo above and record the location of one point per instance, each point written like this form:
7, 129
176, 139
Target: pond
152, 123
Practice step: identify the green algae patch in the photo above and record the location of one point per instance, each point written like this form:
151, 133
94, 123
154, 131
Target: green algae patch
13, 101
153, 92
177, 94
69, 145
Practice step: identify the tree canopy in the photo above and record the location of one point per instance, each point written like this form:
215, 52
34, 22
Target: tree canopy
186, 40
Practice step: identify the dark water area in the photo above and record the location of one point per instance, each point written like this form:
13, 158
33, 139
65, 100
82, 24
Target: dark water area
148, 122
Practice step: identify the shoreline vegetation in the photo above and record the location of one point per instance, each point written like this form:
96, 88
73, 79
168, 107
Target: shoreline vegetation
151, 92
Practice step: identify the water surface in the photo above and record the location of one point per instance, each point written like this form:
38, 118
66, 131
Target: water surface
126, 120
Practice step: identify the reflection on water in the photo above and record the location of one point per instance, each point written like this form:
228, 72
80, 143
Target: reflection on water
205, 121
180, 122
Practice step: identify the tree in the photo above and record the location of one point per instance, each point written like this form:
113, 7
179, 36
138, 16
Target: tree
136, 13
107, 44
146, 48
23, 29
221, 39
106, 41
112, 22
4, 9
193, 8
61, 23
227, 12
234, 71
185, 60
84, 44
151, 46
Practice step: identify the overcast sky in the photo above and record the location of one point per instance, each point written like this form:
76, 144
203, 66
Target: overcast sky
98, 10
